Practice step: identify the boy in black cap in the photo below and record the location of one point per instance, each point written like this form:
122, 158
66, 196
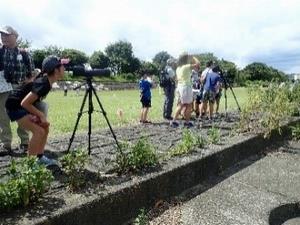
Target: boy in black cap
20, 107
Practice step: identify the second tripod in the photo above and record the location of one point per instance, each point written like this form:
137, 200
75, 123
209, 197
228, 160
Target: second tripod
90, 90
226, 85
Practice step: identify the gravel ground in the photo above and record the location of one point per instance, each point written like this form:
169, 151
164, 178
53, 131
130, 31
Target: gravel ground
99, 175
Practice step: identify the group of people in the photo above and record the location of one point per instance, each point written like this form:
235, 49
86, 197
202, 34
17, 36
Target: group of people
22, 91
195, 91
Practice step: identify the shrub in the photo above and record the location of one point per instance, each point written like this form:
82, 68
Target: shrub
214, 135
136, 157
27, 181
142, 218
296, 132
266, 109
188, 142
73, 164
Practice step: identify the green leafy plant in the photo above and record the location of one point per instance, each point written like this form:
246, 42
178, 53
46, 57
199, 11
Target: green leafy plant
136, 157
296, 132
200, 141
187, 144
73, 164
214, 135
142, 218
266, 109
27, 181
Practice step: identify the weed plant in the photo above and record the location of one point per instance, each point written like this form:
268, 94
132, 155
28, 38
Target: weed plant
136, 157
73, 164
26, 182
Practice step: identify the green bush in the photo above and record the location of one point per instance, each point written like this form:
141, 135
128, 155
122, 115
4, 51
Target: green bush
266, 109
296, 132
187, 144
129, 76
142, 218
214, 135
27, 181
294, 97
73, 164
136, 157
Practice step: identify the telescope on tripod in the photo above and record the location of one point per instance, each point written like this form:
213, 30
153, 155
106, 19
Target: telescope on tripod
89, 92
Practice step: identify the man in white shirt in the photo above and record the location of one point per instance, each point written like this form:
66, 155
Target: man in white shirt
169, 89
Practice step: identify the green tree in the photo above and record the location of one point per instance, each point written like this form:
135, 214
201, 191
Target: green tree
38, 56
53, 50
99, 60
230, 70
121, 57
260, 71
76, 57
148, 67
204, 58
21, 43
160, 59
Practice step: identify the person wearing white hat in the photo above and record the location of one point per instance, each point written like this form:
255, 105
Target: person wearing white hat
16, 65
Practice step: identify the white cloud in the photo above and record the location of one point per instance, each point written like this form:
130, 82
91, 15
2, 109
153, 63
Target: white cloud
241, 31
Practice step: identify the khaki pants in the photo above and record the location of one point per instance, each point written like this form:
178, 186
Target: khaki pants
5, 128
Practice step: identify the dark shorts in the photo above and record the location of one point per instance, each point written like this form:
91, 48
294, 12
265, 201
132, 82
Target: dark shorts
198, 99
15, 115
218, 96
146, 103
209, 96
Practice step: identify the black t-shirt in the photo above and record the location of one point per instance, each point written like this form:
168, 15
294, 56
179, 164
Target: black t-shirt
40, 87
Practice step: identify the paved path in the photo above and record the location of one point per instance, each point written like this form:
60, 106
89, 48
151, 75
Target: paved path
247, 193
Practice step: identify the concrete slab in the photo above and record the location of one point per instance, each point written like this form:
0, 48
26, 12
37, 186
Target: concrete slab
248, 196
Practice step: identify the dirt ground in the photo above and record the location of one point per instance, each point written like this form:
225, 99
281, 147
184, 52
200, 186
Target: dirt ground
99, 175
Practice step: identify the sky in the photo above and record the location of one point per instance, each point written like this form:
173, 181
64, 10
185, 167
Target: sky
241, 31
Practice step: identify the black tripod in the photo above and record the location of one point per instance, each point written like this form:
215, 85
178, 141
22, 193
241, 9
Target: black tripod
89, 92
226, 85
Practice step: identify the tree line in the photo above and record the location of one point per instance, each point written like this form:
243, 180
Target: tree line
119, 57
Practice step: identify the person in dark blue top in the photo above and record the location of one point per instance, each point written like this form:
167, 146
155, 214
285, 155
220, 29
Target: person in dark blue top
145, 85
211, 88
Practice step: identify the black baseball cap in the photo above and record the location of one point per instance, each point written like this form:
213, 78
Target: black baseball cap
51, 62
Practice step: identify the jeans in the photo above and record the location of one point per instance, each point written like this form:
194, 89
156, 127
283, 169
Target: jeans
169, 99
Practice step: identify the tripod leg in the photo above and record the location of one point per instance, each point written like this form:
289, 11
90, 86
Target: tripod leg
225, 96
237, 103
91, 109
77, 121
107, 121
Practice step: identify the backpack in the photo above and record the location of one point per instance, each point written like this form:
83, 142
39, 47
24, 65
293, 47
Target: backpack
164, 80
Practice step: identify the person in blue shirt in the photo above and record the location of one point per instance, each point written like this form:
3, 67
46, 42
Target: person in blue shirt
211, 88
145, 85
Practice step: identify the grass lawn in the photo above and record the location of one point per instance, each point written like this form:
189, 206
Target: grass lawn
63, 110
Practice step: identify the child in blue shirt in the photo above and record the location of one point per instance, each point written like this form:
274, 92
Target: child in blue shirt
145, 85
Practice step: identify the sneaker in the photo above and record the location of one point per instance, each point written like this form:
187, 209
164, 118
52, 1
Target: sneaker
23, 147
5, 151
168, 117
47, 162
174, 124
188, 124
